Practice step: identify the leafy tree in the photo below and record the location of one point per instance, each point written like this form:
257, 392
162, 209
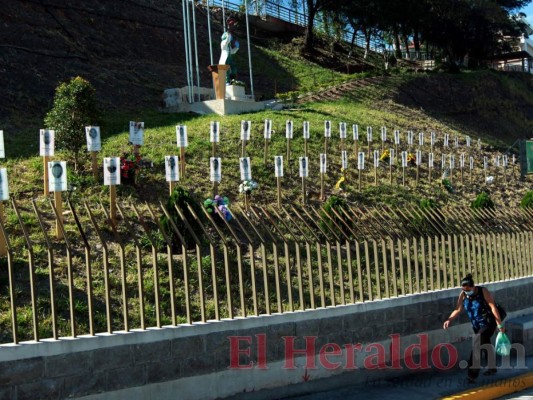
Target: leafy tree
74, 108
313, 8
475, 29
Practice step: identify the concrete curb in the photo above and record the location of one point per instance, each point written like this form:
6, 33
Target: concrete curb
496, 389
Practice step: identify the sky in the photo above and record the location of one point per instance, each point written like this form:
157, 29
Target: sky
528, 10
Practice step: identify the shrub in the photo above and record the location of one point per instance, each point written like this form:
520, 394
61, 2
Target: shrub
74, 108
288, 98
427, 203
483, 200
448, 185
181, 198
527, 201
333, 202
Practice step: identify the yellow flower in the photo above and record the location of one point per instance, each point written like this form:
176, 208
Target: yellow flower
339, 183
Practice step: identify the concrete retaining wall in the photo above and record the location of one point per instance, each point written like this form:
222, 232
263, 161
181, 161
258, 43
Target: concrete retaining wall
193, 361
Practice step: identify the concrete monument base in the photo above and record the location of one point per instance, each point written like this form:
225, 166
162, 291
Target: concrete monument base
220, 107
235, 101
235, 92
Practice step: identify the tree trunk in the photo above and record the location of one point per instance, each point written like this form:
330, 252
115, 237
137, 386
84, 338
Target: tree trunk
406, 43
397, 45
309, 34
416, 41
352, 42
367, 40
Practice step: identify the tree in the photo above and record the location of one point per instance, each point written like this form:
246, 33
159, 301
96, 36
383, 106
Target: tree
74, 108
313, 8
475, 29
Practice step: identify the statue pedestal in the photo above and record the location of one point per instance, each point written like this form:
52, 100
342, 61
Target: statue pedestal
235, 92
218, 73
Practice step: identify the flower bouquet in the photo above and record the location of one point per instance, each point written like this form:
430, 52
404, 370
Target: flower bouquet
129, 165
247, 187
411, 159
235, 82
341, 183
385, 156
220, 203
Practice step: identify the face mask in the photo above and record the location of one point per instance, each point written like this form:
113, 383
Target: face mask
469, 293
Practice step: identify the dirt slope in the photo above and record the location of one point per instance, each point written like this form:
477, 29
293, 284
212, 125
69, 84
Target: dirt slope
130, 50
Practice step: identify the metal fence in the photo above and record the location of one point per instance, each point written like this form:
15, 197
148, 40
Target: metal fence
155, 266
268, 8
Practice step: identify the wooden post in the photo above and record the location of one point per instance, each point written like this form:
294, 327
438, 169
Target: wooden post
305, 147
58, 202
94, 165
403, 176
390, 164
246, 201
171, 186
113, 203
182, 162
45, 165
3, 245
289, 152
214, 154
265, 151
304, 191
279, 190
505, 173
322, 187
359, 171
451, 175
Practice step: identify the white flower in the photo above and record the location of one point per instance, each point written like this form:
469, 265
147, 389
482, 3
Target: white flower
490, 179
247, 186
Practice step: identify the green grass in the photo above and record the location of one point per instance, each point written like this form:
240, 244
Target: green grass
362, 107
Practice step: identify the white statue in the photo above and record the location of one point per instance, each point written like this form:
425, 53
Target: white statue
229, 46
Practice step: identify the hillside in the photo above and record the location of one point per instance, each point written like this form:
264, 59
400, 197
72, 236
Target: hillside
129, 50
132, 50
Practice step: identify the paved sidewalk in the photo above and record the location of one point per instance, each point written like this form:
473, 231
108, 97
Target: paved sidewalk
511, 383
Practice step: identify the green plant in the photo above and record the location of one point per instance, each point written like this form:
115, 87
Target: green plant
288, 98
427, 203
448, 185
182, 199
483, 200
527, 200
328, 217
74, 108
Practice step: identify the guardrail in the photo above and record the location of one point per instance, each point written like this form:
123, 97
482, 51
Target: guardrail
141, 272
295, 17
